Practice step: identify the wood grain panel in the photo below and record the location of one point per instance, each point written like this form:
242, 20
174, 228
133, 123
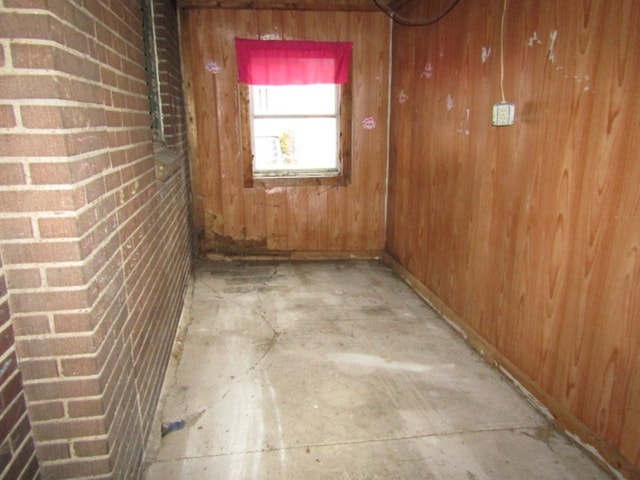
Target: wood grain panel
345, 218
530, 234
322, 5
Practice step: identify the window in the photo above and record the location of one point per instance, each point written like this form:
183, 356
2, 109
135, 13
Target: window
295, 106
295, 129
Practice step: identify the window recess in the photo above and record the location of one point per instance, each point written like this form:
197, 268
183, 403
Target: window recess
295, 103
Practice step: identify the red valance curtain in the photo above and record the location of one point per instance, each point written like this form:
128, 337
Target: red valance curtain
292, 62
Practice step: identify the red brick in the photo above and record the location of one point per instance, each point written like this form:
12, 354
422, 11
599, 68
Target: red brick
39, 201
23, 278
54, 346
5, 454
44, 116
62, 389
33, 86
87, 467
21, 25
89, 167
35, 56
79, 366
51, 301
7, 117
50, 145
12, 174
75, 15
123, 392
48, 86
78, 90
24, 325
53, 451
21, 431
16, 228
11, 390
42, 252
66, 276
91, 448
10, 416
6, 339
87, 407
67, 172
109, 274
95, 189
39, 369
23, 458
97, 213
115, 118
71, 428
32, 470
42, 412
58, 227
73, 322
79, 143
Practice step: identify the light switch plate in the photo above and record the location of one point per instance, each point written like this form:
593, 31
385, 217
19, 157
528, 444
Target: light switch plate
503, 114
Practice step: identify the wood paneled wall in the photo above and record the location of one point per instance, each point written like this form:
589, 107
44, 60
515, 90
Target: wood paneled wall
316, 5
530, 234
308, 219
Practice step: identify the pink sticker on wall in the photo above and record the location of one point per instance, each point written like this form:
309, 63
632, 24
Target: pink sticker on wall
369, 123
213, 67
402, 96
428, 71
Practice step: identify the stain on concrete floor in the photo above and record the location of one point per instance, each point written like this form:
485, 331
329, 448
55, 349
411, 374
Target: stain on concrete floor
338, 370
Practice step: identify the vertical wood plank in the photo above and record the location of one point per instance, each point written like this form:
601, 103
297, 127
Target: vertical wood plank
276, 216
203, 137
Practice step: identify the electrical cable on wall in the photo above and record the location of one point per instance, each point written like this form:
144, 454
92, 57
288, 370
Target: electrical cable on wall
391, 7
504, 12
503, 112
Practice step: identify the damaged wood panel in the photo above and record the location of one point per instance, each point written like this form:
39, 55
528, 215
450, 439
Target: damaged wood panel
530, 233
290, 218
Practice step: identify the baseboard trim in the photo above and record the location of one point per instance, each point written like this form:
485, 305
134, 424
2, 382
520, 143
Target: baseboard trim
301, 256
601, 452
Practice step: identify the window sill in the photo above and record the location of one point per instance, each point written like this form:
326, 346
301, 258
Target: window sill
271, 182
166, 161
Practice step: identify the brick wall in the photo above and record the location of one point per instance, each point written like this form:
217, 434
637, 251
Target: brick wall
17, 453
96, 248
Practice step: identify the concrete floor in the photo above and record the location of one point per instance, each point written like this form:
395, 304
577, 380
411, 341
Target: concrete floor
340, 371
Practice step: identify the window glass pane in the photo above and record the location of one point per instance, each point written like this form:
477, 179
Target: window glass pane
294, 100
295, 144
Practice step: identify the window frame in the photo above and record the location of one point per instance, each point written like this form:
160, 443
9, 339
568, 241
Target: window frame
342, 178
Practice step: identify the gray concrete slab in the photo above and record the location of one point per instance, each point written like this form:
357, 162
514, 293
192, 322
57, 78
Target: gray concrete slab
339, 370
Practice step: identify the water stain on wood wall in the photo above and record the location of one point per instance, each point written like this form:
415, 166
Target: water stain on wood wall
231, 217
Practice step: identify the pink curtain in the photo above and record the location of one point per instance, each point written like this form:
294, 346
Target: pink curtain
292, 62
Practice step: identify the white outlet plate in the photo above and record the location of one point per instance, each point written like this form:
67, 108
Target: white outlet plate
503, 114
